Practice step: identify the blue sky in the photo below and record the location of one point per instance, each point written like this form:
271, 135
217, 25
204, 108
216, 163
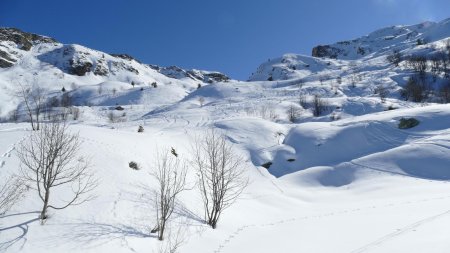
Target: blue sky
231, 36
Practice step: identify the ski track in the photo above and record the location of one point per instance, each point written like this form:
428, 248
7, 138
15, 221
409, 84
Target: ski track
377, 242
399, 232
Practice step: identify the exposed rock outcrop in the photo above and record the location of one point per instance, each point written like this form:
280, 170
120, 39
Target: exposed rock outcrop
23, 40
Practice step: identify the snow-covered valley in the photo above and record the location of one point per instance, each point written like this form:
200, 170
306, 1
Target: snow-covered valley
329, 168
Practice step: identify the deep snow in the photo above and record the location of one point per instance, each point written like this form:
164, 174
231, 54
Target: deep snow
348, 181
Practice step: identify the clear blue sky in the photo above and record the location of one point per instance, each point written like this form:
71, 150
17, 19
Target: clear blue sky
231, 36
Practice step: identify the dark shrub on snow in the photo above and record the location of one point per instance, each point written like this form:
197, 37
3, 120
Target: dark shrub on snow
408, 123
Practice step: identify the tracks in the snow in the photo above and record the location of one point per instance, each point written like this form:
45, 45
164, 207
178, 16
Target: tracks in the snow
399, 232
379, 241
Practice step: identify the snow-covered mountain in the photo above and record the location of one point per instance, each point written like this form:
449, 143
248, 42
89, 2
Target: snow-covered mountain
367, 53
330, 168
385, 40
29, 59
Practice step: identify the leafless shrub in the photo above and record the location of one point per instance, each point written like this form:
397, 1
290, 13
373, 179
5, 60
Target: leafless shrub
34, 99
416, 89
353, 80
113, 118
49, 159
12, 189
220, 175
293, 113
319, 106
444, 92
382, 92
14, 115
173, 242
267, 111
303, 101
395, 58
418, 64
435, 67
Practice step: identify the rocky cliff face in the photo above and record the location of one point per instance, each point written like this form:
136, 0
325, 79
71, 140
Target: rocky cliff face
12, 41
197, 75
23, 40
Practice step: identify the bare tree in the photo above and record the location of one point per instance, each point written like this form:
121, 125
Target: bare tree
10, 192
382, 92
34, 100
444, 92
435, 67
293, 113
395, 58
170, 174
14, 115
418, 64
49, 159
416, 89
319, 106
220, 175
353, 80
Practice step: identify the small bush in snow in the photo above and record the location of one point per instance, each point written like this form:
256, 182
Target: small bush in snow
303, 101
406, 123
391, 107
382, 92
395, 58
293, 113
134, 165
319, 106
112, 117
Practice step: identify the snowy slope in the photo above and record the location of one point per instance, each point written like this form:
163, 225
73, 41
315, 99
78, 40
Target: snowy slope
53, 66
385, 40
348, 180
